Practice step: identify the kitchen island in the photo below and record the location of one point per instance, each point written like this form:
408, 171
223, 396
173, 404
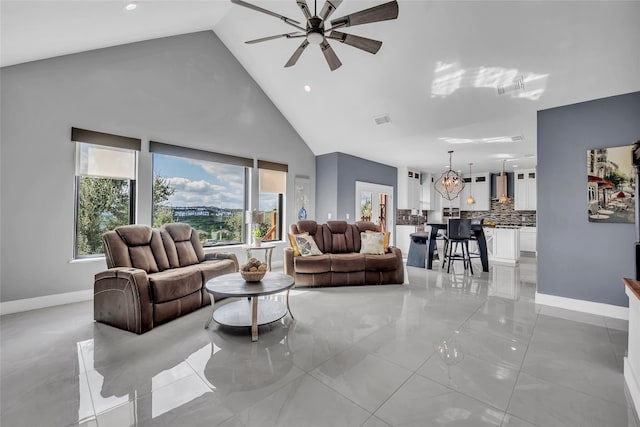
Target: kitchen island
503, 244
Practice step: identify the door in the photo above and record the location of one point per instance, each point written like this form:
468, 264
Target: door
374, 202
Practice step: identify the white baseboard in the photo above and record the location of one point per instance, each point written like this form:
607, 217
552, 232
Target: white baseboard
632, 383
27, 304
597, 308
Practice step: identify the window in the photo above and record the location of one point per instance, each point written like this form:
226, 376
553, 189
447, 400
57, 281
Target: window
203, 189
104, 187
273, 187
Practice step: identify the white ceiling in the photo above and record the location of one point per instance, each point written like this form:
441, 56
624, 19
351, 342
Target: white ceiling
435, 75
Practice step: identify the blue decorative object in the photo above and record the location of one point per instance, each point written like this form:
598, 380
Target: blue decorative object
302, 214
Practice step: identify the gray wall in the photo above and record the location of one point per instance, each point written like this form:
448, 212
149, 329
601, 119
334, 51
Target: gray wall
336, 176
326, 186
578, 259
187, 90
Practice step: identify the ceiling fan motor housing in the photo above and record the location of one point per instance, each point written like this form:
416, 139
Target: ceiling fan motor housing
315, 30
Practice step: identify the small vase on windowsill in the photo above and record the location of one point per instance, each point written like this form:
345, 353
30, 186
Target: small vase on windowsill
257, 242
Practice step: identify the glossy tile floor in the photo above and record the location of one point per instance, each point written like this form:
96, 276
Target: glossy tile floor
451, 350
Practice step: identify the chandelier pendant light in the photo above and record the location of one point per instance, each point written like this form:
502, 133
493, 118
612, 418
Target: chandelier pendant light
449, 185
470, 199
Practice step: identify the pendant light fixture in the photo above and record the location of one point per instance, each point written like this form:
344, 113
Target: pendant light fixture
449, 185
470, 199
502, 185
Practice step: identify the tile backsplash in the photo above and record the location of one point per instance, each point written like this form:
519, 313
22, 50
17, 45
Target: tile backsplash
405, 217
503, 214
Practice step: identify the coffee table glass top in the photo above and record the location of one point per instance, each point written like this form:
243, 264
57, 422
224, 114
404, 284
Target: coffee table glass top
233, 285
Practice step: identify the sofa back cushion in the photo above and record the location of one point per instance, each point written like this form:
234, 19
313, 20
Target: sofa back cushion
182, 245
137, 246
340, 237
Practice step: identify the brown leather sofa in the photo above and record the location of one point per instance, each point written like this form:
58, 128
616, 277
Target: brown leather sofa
154, 275
341, 262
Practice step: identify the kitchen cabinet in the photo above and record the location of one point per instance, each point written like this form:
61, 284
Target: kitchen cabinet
525, 196
426, 192
409, 189
528, 239
479, 186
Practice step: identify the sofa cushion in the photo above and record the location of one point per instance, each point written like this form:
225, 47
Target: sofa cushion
214, 268
313, 264
294, 244
372, 243
175, 283
306, 245
142, 258
340, 237
386, 262
347, 263
135, 235
188, 248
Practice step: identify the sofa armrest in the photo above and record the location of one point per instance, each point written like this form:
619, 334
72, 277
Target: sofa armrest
288, 262
223, 255
399, 264
122, 298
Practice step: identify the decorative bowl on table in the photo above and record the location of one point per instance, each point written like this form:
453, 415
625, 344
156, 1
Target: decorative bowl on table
252, 276
253, 270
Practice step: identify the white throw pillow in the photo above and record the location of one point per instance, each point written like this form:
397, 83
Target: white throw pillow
307, 245
372, 243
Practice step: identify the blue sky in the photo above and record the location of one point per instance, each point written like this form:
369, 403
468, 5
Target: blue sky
201, 183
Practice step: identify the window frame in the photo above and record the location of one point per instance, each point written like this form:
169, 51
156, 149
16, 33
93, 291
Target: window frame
211, 157
83, 136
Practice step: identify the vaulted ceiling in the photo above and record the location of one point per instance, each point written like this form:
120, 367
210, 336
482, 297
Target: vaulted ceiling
466, 76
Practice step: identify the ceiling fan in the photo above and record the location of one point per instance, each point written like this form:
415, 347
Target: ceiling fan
316, 33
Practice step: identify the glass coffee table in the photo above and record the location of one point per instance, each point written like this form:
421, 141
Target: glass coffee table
247, 312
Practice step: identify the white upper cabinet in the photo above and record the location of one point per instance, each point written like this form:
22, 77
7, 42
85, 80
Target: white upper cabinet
525, 196
409, 189
477, 185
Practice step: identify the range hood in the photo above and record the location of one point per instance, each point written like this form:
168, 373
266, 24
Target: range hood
501, 188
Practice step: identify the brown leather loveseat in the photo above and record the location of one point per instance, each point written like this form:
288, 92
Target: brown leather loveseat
154, 275
341, 262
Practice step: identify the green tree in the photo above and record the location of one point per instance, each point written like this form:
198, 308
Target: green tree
162, 213
234, 225
103, 205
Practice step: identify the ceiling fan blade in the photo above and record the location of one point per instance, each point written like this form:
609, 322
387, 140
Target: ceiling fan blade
369, 45
287, 35
294, 58
305, 8
329, 7
284, 19
383, 12
330, 55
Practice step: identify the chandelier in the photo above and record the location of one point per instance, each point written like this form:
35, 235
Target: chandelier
449, 185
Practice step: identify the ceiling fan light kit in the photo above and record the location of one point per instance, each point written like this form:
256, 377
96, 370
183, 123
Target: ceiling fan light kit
315, 32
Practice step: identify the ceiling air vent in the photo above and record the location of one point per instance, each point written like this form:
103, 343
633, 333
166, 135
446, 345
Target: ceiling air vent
382, 119
518, 84
517, 138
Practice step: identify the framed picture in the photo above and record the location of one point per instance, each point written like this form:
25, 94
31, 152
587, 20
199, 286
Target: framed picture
302, 192
611, 184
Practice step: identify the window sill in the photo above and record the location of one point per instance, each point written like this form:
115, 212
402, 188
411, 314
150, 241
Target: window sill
87, 259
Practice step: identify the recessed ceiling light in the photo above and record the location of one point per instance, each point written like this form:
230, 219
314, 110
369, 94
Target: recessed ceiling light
514, 166
307, 88
131, 6
504, 156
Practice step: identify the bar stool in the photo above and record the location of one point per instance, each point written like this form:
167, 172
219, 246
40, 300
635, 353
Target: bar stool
458, 234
